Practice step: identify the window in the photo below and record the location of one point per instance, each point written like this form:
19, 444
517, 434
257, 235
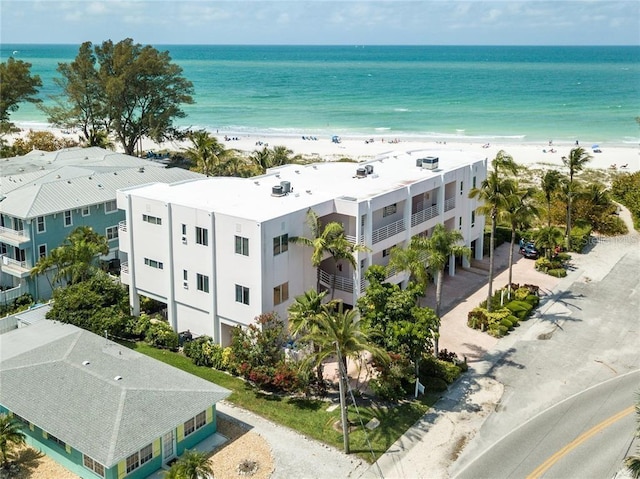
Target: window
86, 211
386, 252
461, 186
153, 263
185, 275
133, 462
59, 442
280, 293
242, 245
202, 282
473, 218
389, 210
41, 225
184, 229
42, 251
280, 244
201, 419
473, 182
152, 219
68, 218
202, 236
242, 294
110, 206
146, 453
95, 466
189, 426
112, 233
460, 223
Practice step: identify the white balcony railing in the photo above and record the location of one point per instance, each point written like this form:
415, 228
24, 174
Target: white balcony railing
124, 268
388, 231
424, 215
122, 226
352, 239
342, 283
17, 235
450, 203
9, 295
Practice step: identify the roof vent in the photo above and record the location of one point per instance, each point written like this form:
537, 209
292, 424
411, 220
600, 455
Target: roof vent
117, 378
256, 183
286, 186
419, 162
141, 169
361, 173
369, 169
42, 167
85, 363
277, 190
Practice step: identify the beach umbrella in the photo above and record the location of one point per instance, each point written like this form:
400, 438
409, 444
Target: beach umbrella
595, 147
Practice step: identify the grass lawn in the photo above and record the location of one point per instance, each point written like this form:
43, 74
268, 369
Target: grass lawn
307, 416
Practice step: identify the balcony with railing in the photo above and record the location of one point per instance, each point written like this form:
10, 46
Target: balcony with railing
124, 273
352, 239
426, 214
341, 283
14, 237
388, 231
8, 295
15, 267
122, 226
450, 203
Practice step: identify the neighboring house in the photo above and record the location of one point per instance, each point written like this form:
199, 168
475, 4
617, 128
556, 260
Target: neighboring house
45, 195
217, 250
98, 408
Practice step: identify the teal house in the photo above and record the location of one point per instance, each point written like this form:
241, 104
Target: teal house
44, 196
100, 409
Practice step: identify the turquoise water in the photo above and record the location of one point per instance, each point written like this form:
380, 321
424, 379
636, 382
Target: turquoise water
524, 94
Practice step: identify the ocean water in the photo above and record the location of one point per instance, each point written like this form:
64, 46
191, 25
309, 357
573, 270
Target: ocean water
520, 94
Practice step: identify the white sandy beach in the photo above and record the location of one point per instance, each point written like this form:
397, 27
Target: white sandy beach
613, 157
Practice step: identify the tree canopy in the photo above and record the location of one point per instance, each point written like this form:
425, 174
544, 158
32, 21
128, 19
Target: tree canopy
17, 85
125, 89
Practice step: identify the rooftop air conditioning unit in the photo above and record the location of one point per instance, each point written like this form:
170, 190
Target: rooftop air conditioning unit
369, 169
277, 190
286, 186
419, 162
430, 163
361, 173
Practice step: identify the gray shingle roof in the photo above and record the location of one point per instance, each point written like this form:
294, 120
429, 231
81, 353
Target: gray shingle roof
38, 185
44, 380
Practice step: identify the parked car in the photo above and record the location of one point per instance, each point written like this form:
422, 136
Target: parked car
528, 250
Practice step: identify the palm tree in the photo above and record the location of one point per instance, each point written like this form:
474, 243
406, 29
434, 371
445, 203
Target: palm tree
550, 183
412, 260
75, 259
10, 437
575, 162
548, 238
519, 212
191, 465
342, 334
330, 239
439, 247
262, 159
207, 153
494, 193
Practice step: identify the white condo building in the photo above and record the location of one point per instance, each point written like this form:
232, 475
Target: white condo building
217, 250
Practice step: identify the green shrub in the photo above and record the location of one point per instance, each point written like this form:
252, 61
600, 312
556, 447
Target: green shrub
434, 384
564, 257
514, 320
436, 368
161, 335
579, 237
520, 309
557, 273
507, 323
533, 300
203, 351
394, 380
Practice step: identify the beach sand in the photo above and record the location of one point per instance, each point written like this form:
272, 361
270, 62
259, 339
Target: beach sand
612, 158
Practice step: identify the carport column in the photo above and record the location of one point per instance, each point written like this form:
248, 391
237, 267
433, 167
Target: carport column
452, 265
171, 291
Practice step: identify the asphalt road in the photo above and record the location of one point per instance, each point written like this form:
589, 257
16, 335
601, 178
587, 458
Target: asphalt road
564, 377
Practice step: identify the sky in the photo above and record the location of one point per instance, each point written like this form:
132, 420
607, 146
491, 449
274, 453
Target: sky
321, 22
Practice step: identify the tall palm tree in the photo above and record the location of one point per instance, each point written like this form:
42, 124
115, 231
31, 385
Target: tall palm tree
575, 162
494, 192
550, 183
439, 247
262, 159
10, 437
191, 465
342, 334
331, 240
548, 238
520, 211
207, 153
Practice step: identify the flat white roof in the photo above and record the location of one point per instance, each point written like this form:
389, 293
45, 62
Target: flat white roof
252, 198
